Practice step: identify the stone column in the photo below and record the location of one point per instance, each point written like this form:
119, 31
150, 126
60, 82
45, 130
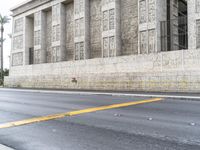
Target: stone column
58, 34
151, 13
82, 34
111, 37
39, 37
194, 24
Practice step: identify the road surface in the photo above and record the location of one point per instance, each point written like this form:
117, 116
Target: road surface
169, 124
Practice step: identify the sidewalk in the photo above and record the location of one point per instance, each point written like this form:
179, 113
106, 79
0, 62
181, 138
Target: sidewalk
185, 96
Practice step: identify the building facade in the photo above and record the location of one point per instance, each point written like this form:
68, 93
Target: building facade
131, 45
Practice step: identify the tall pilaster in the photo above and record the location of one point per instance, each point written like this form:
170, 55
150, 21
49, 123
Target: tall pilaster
18, 42
194, 24
151, 13
39, 37
111, 37
82, 34
58, 36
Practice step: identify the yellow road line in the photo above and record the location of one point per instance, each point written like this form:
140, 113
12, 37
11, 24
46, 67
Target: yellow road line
74, 113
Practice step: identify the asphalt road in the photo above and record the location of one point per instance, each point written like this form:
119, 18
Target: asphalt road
165, 125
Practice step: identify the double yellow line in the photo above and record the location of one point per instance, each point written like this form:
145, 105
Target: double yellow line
74, 113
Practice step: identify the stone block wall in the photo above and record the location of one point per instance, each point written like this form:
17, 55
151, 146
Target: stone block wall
176, 71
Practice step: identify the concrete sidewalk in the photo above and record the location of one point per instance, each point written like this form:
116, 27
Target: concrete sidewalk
185, 96
3, 147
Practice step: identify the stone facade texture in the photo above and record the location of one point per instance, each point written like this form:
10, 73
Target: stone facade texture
95, 28
104, 45
49, 37
176, 71
70, 31
129, 27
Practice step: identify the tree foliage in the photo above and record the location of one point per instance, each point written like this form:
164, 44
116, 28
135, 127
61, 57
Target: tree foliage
5, 73
3, 20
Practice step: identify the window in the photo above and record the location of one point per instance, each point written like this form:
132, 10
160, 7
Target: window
197, 6
105, 2
56, 13
105, 47
37, 37
18, 25
79, 6
105, 20
17, 59
109, 46
55, 54
142, 10
198, 33
36, 56
18, 42
56, 33
174, 31
79, 51
37, 19
109, 20
79, 27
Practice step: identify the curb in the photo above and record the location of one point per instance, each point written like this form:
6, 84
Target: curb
180, 97
3, 147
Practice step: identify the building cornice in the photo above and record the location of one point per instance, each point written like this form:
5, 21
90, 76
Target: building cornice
27, 5
20, 5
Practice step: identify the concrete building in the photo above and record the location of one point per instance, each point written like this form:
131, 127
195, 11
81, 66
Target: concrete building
131, 45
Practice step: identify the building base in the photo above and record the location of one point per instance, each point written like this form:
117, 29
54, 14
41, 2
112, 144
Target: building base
176, 71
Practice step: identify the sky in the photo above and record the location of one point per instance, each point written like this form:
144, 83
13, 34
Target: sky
5, 6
